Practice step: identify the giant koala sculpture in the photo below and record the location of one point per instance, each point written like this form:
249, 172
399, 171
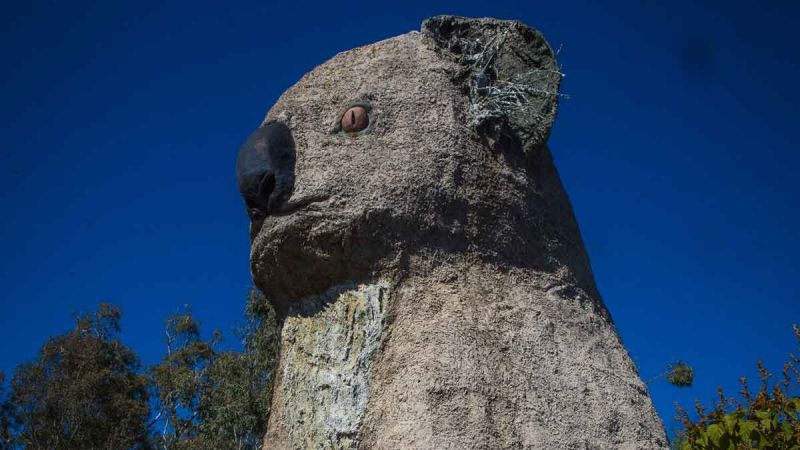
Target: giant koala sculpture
408, 223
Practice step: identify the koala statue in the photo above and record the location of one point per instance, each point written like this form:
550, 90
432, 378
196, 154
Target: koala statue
410, 228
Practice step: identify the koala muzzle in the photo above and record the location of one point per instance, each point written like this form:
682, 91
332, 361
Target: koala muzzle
265, 169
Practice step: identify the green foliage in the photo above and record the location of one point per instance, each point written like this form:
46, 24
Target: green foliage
768, 418
216, 400
235, 404
180, 379
680, 374
86, 390
83, 391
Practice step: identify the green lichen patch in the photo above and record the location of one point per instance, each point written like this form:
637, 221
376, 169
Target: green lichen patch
328, 345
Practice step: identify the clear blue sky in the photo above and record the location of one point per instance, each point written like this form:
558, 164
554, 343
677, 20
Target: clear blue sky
678, 146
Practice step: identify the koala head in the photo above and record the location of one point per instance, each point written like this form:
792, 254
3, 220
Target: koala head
432, 142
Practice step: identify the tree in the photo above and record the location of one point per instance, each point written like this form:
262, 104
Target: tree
179, 381
768, 418
86, 390
235, 404
83, 391
216, 400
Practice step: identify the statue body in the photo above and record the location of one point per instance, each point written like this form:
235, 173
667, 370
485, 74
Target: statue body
409, 224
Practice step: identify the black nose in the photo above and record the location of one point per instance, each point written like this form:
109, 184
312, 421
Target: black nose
265, 169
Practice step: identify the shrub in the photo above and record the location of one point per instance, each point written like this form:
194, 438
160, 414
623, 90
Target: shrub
768, 418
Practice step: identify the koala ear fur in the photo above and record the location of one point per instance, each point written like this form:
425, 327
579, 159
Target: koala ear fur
510, 74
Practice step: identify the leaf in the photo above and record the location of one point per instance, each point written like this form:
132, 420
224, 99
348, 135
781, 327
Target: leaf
715, 433
763, 414
731, 421
787, 431
764, 442
702, 441
747, 430
795, 401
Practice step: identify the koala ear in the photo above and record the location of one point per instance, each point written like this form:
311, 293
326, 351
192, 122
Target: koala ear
510, 74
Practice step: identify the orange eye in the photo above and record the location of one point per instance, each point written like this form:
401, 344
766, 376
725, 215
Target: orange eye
355, 119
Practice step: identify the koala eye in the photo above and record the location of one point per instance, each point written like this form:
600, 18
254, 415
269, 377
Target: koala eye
355, 119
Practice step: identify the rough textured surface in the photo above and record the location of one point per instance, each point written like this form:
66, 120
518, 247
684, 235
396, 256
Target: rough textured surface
510, 73
494, 333
478, 357
328, 347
